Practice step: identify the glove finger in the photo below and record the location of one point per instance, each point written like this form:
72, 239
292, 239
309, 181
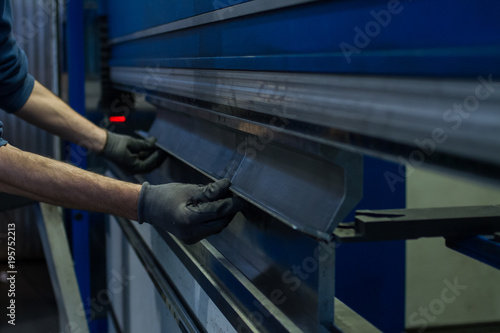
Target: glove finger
152, 142
206, 229
212, 191
139, 145
208, 211
154, 160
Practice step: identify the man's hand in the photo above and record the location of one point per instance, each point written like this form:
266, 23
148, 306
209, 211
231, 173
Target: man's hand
190, 212
133, 155
45, 110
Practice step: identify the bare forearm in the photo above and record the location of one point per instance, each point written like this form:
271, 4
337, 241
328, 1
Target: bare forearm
47, 111
62, 184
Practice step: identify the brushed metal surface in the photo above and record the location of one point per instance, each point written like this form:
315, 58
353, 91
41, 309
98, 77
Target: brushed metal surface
410, 120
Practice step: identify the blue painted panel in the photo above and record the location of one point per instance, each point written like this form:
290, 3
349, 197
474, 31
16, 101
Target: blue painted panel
99, 326
428, 37
76, 81
132, 16
370, 277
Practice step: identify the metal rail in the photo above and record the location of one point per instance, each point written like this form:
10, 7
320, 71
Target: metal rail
219, 294
449, 222
407, 120
182, 314
203, 271
61, 269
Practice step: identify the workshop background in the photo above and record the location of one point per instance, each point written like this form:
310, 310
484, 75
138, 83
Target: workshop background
100, 51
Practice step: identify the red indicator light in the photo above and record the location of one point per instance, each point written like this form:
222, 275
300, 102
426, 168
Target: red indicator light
117, 119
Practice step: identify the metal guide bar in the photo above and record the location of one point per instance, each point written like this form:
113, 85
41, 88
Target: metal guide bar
198, 258
345, 317
61, 268
113, 319
419, 113
348, 321
393, 224
183, 315
221, 297
230, 12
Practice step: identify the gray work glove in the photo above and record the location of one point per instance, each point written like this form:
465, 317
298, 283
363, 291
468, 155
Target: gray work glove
190, 212
133, 155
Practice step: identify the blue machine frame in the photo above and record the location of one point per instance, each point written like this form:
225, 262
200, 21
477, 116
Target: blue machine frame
76, 75
318, 36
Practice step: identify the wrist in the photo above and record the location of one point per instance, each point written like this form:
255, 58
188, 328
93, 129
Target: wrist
141, 203
126, 203
135, 192
99, 140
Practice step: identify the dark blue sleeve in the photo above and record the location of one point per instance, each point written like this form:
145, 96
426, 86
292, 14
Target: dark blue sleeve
15, 82
2, 141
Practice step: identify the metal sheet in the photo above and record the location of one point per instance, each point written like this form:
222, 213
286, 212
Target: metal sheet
258, 263
264, 176
293, 187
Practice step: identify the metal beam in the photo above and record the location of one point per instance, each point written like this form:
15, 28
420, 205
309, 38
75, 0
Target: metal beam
383, 225
61, 269
183, 315
406, 120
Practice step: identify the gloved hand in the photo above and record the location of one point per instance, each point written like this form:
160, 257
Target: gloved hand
190, 212
133, 155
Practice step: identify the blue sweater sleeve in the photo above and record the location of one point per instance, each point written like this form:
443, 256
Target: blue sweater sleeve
15, 82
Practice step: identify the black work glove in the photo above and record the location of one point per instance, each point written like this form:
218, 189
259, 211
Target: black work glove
190, 212
133, 155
